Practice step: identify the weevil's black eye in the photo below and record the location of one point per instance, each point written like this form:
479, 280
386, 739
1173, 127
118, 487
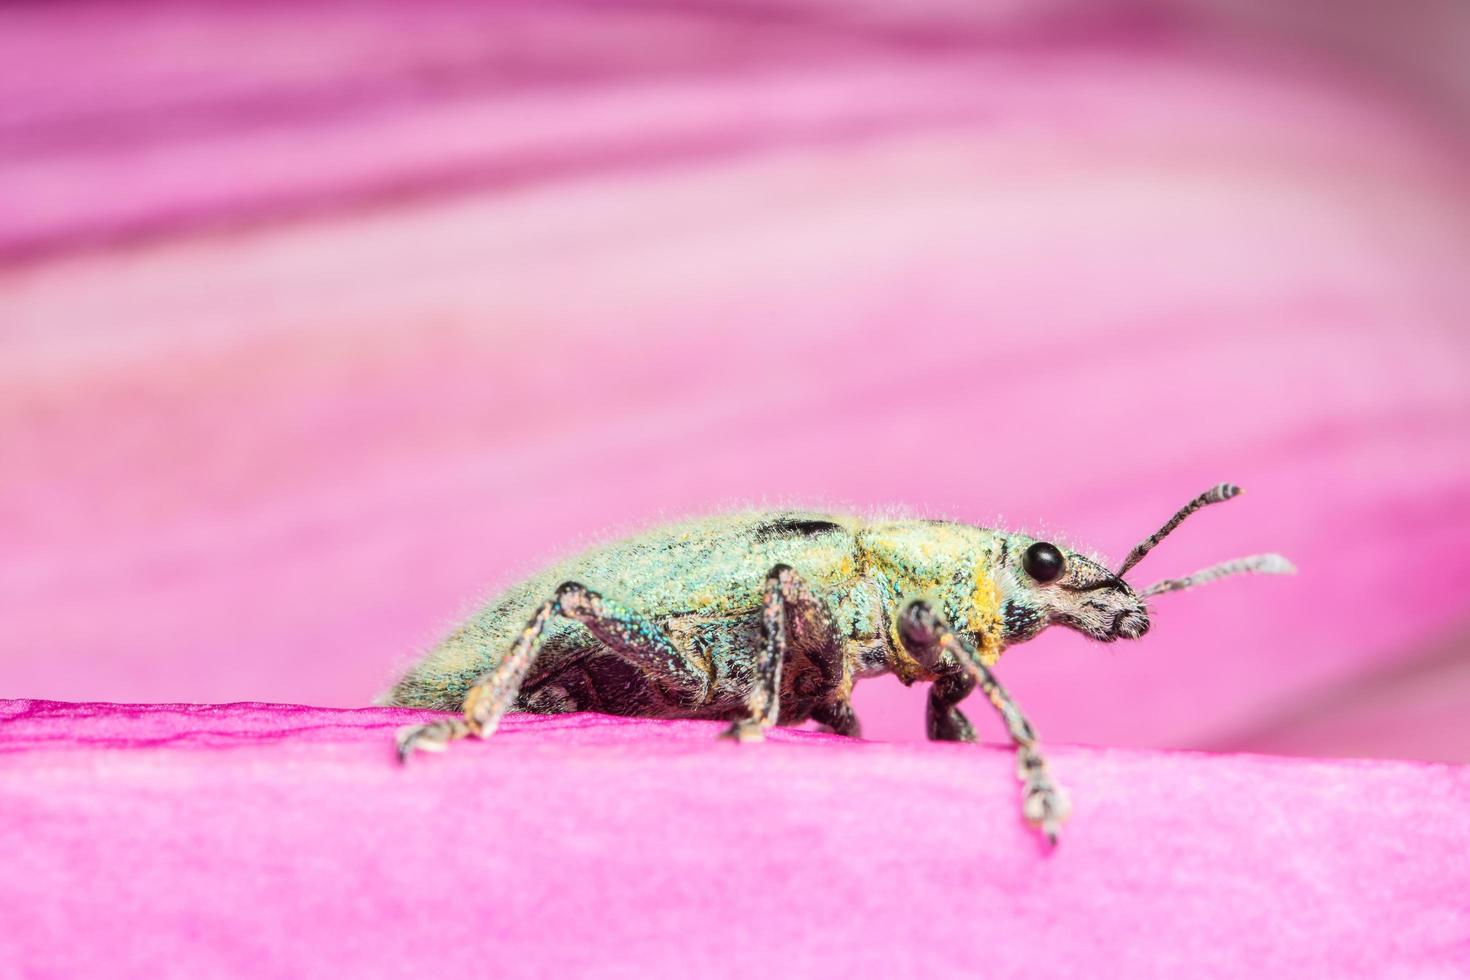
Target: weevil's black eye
1044, 562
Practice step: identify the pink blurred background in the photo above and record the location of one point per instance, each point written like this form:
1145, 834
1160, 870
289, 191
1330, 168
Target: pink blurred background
318, 321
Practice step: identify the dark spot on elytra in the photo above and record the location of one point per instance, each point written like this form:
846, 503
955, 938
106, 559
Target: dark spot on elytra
789, 527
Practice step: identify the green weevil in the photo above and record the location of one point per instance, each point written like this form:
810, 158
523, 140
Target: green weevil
771, 617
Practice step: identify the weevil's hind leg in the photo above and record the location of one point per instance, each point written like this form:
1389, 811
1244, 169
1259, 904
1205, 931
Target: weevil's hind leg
490, 696
790, 611
945, 722
930, 640
632, 637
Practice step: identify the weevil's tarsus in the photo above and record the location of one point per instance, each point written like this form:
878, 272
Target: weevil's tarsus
1044, 805
1271, 564
1214, 495
432, 737
930, 640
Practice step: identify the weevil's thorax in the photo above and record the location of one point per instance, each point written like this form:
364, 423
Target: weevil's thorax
951, 566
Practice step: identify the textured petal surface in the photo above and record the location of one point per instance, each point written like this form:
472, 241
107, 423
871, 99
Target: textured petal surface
269, 840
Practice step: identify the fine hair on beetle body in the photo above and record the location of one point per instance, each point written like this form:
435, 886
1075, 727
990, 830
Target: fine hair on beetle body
768, 617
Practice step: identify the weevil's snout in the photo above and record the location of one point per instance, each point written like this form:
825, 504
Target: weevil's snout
1105, 609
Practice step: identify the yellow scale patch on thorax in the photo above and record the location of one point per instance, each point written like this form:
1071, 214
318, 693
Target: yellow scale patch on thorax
919, 564
985, 618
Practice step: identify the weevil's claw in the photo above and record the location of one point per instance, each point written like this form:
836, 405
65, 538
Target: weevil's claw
1045, 809
408, 739
433, 737
1043, 803
745, 730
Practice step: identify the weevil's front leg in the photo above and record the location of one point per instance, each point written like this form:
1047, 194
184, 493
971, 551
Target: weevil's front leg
928, 638
623, 632
793, 615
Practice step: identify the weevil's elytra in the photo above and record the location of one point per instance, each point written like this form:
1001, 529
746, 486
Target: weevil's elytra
771, 617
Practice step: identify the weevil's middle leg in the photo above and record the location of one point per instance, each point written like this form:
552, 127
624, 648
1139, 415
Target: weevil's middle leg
623, 632
946, 722
929, 639
791, 614
839, 717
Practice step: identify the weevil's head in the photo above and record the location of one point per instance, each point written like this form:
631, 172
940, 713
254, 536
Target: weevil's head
1042, 583
1046, 584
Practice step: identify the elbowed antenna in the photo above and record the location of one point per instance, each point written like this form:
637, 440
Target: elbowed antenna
1272, 564
1211, 496
1254, 565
